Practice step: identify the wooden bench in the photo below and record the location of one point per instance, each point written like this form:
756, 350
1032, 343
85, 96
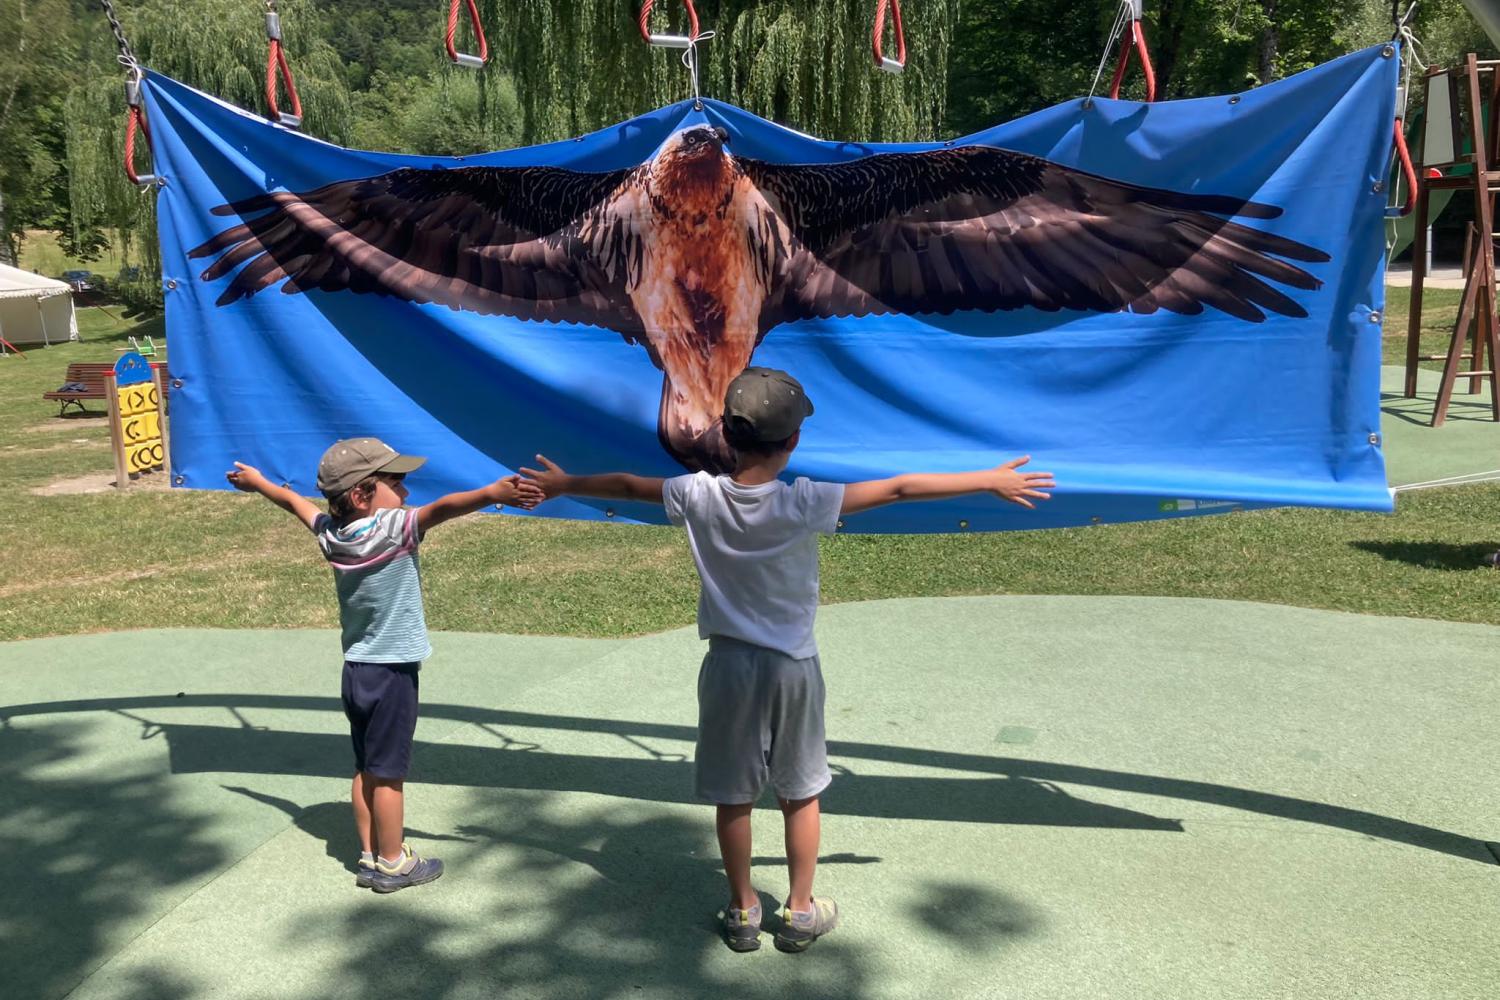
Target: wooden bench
90, 375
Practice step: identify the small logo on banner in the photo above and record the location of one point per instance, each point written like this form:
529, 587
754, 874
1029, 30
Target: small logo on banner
1169, 506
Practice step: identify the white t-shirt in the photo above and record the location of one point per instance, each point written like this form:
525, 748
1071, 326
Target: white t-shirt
756, 548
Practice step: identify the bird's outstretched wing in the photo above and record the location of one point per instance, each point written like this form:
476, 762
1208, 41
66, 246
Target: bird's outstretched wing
539, 243
975, 227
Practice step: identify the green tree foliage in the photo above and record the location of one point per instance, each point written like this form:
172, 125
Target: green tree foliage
1011, 57
582, 65
39, 57
373, 74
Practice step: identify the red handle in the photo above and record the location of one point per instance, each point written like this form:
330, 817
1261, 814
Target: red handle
135, 118
276, 64
646, 19
1407, 170
1136, 42
484, 45
880, 57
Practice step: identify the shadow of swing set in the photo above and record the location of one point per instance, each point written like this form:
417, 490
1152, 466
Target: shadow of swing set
1000, 790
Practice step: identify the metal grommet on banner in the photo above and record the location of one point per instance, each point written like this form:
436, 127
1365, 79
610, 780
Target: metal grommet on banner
179, 480
963, 525
1377, 187
1094, 519
1375, 317
1375, 439
171, 284
177, 383
1388, 51
1235, 99
839, 525
609, 512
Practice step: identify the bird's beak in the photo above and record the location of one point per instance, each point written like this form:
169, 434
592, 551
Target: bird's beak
722, 134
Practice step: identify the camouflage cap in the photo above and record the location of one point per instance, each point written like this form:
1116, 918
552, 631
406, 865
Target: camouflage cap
766, 404
353, 459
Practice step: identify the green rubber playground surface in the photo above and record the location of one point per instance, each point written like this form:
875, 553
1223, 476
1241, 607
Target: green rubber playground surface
1467, 445
1034, 797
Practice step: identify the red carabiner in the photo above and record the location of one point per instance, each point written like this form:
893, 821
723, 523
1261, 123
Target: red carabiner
464, 58
276, 64
670, 41
882, 61
135, 118
1136, 42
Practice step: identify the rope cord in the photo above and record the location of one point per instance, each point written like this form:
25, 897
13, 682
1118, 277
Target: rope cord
688, 43
1123, 17
690, 60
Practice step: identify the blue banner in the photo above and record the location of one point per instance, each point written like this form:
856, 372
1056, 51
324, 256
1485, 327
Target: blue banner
1174, 307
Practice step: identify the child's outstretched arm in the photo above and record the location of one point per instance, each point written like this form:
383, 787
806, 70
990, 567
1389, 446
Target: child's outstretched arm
252, 480
512, 490
1004, 481
554, 482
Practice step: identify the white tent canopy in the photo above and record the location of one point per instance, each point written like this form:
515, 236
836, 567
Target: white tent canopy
34, 309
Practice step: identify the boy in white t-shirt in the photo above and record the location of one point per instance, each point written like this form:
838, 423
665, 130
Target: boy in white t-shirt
760, 689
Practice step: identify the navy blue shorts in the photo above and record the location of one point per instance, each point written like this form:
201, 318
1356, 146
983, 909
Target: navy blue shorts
380, 700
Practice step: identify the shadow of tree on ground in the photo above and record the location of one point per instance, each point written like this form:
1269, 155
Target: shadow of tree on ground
94, 841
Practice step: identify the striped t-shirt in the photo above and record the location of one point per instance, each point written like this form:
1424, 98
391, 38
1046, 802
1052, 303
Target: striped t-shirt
379, 582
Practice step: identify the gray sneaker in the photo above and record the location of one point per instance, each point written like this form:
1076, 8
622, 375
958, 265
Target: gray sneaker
742, 928
800, 928
366, 875
416, 871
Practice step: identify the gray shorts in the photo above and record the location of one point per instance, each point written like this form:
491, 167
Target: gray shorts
760, 715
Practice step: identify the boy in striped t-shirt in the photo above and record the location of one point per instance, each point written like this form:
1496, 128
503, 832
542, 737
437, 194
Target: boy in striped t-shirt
370, 540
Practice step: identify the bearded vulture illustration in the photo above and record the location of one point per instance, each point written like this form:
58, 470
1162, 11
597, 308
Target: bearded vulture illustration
697, 254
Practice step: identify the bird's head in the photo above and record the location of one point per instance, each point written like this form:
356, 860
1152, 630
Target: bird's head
694, 157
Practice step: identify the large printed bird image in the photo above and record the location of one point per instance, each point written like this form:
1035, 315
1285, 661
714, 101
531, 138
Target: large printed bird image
697, 254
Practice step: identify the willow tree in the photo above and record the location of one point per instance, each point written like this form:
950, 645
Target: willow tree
581, 64
562, 66
218, 46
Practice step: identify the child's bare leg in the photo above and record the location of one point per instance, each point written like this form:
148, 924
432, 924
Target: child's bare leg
732, 823
387, 810
363, 794
803, 830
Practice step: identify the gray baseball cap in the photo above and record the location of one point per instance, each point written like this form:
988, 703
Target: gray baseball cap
353, 459
766, 402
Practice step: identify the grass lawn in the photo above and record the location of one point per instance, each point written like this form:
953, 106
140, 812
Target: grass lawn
40, 253
78, 563
1439, 312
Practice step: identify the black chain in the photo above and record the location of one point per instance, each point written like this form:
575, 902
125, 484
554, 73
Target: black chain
127, 57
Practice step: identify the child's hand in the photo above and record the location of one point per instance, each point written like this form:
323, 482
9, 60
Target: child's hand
516, 492
1017, 487
552, 480
246, 477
